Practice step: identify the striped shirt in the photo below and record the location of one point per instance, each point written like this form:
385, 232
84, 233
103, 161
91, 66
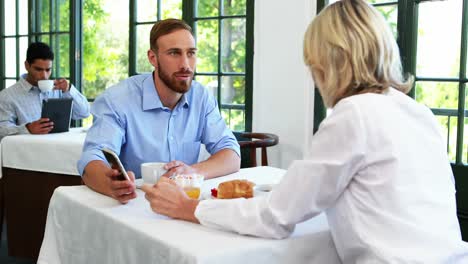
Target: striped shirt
21, 104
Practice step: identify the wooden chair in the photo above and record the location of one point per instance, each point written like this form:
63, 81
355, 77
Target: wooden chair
249, 142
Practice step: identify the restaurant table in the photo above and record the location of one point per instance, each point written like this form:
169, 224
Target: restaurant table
32, 167
86, 227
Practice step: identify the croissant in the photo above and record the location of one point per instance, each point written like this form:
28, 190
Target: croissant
235, 189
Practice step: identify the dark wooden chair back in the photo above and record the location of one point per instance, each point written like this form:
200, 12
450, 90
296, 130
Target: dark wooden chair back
250, 141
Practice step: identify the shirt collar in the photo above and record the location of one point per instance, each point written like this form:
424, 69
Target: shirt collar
25, 84
151, 99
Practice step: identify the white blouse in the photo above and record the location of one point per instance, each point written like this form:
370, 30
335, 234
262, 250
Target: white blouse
379, 169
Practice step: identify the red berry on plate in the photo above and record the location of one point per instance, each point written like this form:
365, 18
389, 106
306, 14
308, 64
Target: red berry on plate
214, 192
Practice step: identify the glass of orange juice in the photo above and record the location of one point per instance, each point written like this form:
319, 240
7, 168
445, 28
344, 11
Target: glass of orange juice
191, 183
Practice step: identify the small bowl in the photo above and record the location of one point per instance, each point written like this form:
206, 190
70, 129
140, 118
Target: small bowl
191, 183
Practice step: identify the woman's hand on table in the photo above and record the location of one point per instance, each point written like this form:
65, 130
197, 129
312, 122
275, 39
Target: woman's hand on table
166, 198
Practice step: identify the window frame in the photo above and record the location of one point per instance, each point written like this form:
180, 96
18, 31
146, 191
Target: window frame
407, 27
33, 35
189, 15
75, 32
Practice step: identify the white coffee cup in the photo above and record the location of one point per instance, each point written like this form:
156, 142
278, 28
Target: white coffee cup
152, 171
45, 85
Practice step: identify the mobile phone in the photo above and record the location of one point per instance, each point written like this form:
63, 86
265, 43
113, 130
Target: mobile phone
115, 163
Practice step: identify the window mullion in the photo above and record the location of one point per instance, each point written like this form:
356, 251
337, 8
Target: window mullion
132, 38
55, 28
76, 44
159, 14
2, 45
320, 111
17, 40
220, 47
36, 26
407, 28
462, 86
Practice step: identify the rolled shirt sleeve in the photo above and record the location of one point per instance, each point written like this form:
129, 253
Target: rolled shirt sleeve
8, 124
107, 132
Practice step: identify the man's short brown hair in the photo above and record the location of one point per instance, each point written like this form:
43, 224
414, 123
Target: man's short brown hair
164, 27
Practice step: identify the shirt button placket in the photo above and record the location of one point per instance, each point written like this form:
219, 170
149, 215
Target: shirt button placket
170, 136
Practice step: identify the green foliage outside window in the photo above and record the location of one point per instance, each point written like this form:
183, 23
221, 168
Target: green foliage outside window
105, 45
105, 49
230, 54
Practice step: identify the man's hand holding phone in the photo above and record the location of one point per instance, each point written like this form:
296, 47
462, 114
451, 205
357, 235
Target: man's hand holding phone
121, 190
121, 182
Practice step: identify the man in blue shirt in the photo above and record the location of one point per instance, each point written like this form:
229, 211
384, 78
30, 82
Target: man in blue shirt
160, 117
21, 104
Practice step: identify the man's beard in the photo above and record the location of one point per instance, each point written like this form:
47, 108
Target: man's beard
173, 83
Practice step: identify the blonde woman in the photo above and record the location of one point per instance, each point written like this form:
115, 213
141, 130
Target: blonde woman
378, 166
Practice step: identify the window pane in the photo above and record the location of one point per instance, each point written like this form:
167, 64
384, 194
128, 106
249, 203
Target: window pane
234, 7
233, 90
105, 45
10, 57
439, 34
9, 83
23, 14
64, 15
465, 141
448, 124
143, 45
64, 58
465, 129
23, 47
390, 13
233, 45
171, 9
437, 94
235, 119
10, 18
45, 39
44, 16
210, 83
207, 8
207, 44
147, 10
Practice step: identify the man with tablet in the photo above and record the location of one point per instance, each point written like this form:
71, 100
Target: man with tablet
21, 104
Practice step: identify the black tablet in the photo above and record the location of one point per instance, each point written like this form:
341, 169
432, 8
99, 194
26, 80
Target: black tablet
58, 110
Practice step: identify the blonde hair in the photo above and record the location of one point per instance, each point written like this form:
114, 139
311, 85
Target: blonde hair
350, 49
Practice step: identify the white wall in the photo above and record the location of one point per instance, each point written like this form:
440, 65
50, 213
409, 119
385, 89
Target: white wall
282, 94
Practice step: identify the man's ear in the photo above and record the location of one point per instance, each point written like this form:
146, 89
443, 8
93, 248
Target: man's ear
152, 58
27, 66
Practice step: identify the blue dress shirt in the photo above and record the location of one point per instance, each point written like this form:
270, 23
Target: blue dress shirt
130, 119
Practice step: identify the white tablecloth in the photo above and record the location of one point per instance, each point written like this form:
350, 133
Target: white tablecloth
56, 153
86, 227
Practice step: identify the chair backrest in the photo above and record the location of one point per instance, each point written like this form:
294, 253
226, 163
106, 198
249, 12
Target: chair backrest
250, 141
